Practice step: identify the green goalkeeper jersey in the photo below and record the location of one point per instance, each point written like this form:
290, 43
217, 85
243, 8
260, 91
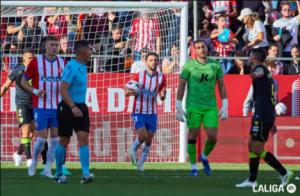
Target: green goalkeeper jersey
201, 83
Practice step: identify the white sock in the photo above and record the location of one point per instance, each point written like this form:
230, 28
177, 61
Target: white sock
203, 156
194, 167
135, 144
51, 152
145, 152
37, 149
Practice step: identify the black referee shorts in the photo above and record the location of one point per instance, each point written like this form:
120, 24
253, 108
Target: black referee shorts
260, 129
67, 121
24, 114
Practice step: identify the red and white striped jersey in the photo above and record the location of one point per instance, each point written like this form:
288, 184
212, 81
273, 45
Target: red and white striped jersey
145, 32
145, 102
45, 76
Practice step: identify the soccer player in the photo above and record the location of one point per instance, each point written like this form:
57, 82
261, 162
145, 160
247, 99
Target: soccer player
200, 75
262, 121
23, 102
73, 113
45, 73
144, 109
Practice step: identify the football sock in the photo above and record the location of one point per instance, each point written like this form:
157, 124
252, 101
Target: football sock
27, 147
51, 152
192, 150
273, 162
136, 144
145, 152
37, 149
253, 166
60, 152
44, 152
209, 146
84, 155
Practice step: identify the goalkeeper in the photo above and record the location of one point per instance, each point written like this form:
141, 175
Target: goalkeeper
201, 75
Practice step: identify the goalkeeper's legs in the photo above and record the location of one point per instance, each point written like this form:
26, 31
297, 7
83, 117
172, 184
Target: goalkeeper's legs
191, 147
209, 146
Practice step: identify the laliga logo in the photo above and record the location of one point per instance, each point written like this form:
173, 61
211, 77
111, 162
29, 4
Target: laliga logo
274, 188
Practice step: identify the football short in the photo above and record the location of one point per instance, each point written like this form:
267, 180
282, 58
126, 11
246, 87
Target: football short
24, 115
147, 121
45, 118
260, 129
209, 118
67, 122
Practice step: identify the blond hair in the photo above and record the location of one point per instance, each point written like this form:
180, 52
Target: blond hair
251, 20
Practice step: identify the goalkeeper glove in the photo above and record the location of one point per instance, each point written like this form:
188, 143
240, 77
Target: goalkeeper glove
179, 111
223, 113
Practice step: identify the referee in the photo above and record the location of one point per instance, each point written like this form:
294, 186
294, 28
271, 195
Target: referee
73, 113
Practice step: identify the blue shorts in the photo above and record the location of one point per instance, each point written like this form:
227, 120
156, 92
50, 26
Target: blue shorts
147, 121
45, 118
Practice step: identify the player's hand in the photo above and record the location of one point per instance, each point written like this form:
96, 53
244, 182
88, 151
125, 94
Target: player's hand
179, 111
38, 93
223, 113
120, 45
77, 112
163, 93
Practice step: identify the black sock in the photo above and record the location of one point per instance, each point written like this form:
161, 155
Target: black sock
253, 166
44, 153
273, 162
27, 149
20, 149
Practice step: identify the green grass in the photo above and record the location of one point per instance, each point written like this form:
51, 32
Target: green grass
121, 179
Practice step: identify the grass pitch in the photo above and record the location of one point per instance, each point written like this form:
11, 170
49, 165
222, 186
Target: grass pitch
158, 179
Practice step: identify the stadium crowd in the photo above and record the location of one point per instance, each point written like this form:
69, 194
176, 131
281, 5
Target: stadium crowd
122, 39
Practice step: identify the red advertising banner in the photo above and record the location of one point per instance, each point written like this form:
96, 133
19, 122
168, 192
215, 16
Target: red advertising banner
112, 133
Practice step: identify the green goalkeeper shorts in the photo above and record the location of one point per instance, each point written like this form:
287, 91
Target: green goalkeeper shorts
209, 118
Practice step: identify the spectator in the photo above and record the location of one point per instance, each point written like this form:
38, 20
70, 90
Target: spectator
226, 7
12, 60
240, 67
271, 18
169, 21
64, 48
138, 66
293, 68
15, 24
30, 35
171, 64
291, 24
57, 23
255, 5
145, 33
275, 66
224, 42
255, 36
113, 48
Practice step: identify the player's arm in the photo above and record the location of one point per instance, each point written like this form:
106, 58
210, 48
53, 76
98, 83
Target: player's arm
223, 113
31, 72
64, 86
162, 90
5, 86
180, 93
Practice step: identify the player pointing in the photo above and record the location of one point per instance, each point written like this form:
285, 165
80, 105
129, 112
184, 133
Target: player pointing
200, 75
153, 83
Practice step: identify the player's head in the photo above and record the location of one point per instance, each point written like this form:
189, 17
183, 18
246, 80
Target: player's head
200, 49
257, 56
28, 54
51, 45
152, 61
83, 50
273, 50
